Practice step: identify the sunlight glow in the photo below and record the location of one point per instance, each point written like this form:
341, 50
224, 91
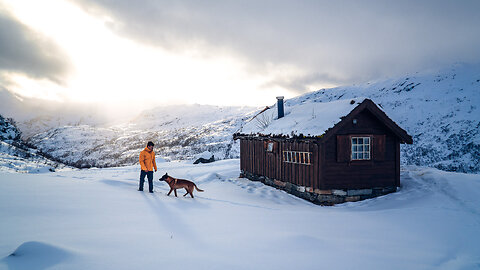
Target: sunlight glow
110, 68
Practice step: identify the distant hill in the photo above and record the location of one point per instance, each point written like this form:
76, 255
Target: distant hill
439, 109
16, 156
179, 132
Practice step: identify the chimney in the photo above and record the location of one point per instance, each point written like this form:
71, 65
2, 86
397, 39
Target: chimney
280, 106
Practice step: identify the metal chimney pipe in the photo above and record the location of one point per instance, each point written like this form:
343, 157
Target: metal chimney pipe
280, 106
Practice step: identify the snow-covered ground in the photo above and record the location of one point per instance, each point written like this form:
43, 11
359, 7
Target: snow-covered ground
96, 219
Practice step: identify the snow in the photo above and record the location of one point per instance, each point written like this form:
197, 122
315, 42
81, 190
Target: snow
179, 132
96, 219
14, 159
438, 109
307, 118
204, 155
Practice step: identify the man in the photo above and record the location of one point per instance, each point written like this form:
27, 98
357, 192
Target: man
147, 164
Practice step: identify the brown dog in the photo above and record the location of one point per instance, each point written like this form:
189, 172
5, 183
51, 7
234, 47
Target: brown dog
176, 183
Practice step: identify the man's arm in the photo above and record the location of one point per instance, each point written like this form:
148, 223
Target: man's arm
154, 163
141, 159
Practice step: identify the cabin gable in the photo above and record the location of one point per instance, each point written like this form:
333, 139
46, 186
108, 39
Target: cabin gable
342, 171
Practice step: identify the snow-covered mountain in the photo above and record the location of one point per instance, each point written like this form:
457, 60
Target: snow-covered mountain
439, 109
16, 156
179, 132
33, 116
8, 130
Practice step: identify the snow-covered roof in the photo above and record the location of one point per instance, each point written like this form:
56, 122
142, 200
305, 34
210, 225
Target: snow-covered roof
308, 118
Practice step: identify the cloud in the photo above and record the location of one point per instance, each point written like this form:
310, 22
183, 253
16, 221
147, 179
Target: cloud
24, 51
330, 42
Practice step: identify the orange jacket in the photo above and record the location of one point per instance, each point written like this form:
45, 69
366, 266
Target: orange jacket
147, 160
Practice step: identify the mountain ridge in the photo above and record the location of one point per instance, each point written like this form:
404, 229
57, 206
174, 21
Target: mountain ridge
438, 109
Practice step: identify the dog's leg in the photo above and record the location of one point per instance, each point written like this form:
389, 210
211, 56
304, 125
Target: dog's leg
185, 193
190, 190
175, 191
171, 189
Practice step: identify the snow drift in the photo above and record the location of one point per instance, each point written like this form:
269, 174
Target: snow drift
96, 219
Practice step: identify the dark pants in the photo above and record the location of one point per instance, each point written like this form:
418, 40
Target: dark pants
150, 180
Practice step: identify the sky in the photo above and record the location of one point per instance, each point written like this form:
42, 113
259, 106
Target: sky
138, 54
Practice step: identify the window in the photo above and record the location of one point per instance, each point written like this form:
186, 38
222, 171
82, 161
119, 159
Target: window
270, 147
297, 157
360, 148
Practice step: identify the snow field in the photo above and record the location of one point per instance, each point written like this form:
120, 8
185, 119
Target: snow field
96, 219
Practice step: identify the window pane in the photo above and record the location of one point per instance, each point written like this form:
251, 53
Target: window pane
367, 148
367, 155
354, 156
354, 141
367, 140
360, 140
360, 155
354, 148
270, 147
360, 148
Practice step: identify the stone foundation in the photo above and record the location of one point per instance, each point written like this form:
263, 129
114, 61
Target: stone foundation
320, 196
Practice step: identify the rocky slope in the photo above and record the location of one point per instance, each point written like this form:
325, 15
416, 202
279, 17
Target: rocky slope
16, 156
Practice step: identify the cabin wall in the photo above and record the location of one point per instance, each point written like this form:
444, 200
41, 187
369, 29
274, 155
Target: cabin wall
255, 159
380, 171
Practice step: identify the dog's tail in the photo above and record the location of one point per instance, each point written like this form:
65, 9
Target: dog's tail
200, 190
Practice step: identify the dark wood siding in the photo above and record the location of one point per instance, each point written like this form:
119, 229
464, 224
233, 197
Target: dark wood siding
343, 148
379, 171
397, 162
379, 147
254, 158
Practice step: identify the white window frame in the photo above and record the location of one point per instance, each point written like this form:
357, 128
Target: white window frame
361, 148
297, 157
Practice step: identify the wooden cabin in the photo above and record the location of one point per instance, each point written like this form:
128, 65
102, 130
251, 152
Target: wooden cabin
343, 151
